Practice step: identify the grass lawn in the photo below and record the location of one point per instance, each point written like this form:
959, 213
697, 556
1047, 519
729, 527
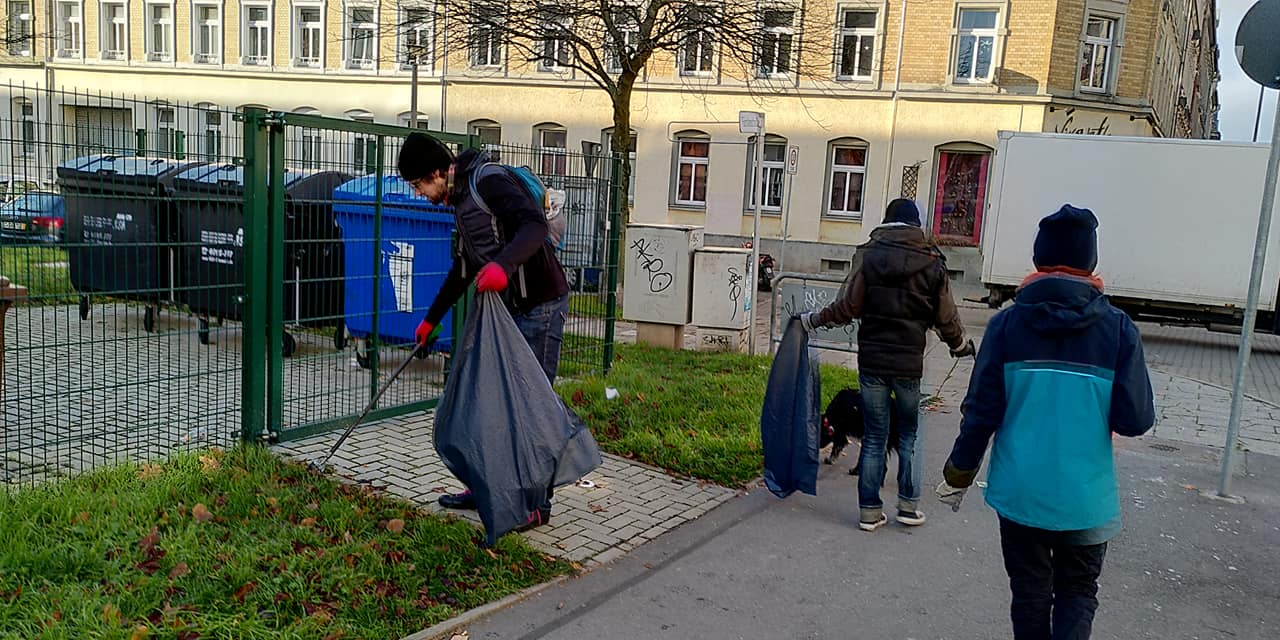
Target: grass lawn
42, 270
696, 414
239, 545
592, 305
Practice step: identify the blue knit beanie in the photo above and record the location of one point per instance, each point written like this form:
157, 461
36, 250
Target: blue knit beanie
1068, 238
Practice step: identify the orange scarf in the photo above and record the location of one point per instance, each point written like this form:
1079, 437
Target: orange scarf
1044, 272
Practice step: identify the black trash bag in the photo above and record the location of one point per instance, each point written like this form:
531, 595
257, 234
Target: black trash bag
500, 427
791, 416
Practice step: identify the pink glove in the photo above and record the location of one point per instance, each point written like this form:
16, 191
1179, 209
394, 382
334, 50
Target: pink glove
492, 277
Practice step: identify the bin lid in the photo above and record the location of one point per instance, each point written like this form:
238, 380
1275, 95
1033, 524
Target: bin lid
395, 193
124, 166
229, 176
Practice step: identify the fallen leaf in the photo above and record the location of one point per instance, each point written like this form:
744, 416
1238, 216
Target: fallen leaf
179, 570
1189, 487
648, 566
201, 513
307, 522
244, 591
336, 635
396, 525
150, 541
111, 614
640, 397
595, 508
81, 518
209, 464
140, 633
271, 502
149, 471
491, 554
312, 507
347, 538
579, 398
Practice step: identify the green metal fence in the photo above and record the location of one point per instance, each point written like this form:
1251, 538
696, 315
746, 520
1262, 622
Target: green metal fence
235, 274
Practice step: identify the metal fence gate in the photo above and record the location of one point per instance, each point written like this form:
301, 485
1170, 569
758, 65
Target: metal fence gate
223, 274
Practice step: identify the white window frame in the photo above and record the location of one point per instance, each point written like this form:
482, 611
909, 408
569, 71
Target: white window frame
693, 162
21, 28
858, 33
484, 42
107, 29
995, 33
296, 27
481, 127
363, 147
211, 137
630, 30
166, 131
421, 33
777, 33
216, 32
556, 52
704, 41
247, 28
1109, 45
70, 26
154, 54
26, 134
848, 170
349, 27
775, 172
557, 156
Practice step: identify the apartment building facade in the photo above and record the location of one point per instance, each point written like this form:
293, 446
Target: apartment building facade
866, 130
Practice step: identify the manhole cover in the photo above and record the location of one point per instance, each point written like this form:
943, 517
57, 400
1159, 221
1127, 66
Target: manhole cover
1164, 447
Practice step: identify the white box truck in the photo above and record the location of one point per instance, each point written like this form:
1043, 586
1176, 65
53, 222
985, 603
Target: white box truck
1177, 221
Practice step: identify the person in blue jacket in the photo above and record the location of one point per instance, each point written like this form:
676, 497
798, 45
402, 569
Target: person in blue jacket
1057, 375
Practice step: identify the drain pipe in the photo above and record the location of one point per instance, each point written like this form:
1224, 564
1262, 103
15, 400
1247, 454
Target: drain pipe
444, 76
897, 86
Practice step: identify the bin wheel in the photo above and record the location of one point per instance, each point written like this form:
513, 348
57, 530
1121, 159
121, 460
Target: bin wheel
203, 333
84, 307
340, 336
290, 345
149, 319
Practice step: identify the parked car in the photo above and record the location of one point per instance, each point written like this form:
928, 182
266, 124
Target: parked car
12, 187
37, 216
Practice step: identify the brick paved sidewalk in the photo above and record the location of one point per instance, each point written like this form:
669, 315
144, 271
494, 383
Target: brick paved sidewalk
622, 505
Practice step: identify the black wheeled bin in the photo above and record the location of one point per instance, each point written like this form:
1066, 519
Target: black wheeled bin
121, 231
210, 201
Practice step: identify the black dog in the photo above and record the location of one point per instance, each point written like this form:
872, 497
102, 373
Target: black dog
843, 420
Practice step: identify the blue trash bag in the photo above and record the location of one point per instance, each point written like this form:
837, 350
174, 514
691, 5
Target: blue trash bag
792, 415
500, 427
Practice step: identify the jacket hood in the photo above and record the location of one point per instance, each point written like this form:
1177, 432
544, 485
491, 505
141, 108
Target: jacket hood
1059, 303
901, 251
468, 161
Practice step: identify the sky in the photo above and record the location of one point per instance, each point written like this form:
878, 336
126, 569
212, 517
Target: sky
1237, 93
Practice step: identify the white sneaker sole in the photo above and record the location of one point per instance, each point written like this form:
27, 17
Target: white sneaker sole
910, 521
872, 526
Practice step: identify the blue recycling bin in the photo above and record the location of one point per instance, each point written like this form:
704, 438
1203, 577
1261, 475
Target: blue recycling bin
414, 256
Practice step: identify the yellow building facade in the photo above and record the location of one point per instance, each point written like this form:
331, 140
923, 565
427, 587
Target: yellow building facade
858, 134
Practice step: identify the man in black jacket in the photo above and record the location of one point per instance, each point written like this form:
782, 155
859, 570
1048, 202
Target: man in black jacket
502, 247
898, 287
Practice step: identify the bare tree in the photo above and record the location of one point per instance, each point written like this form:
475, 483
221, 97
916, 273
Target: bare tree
761, 45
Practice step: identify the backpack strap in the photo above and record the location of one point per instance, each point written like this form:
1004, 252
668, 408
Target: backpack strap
473, 181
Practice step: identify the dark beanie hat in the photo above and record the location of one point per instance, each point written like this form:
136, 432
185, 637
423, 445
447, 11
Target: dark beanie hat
1068, 238
421, 155
904, 211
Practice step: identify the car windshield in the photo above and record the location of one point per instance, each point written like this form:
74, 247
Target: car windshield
34, 203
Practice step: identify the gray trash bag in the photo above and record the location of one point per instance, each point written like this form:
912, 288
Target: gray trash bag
791, 416
500, 427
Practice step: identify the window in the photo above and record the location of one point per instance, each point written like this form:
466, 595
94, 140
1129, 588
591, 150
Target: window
857, 45
362, 28
364, 148
622, 50
115, 31
1095, 62
207, 47
167, 135
489, 131
556, 48
26, 125
311, 147
486, 36
308, 30
415, 36
552, 140
693, 158
159, 32
631, 161
846, 171
960, 195
71, 27
778, 31
406, 120
257, 35
211, 140
775, 167
697, 52
20, 33
975, 45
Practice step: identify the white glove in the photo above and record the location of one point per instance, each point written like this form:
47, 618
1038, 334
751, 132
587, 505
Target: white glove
950, 495
806, 321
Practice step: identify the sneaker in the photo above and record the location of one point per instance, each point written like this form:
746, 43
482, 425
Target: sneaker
911, 518
872, 526
462, 500
536, 519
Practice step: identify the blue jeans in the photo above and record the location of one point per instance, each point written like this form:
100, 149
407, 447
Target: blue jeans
543, 328
876, 401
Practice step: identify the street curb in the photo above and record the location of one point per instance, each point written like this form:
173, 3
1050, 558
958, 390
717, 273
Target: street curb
1215, 386
444, 629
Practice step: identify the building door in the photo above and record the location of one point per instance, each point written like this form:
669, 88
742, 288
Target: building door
960, 196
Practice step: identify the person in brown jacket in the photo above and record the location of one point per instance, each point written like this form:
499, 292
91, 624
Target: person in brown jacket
898, 288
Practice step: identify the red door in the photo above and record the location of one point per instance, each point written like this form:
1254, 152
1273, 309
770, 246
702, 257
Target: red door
960, 196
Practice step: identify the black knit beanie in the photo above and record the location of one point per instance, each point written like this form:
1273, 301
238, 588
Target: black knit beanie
1068, 238
421, 155
902, 211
